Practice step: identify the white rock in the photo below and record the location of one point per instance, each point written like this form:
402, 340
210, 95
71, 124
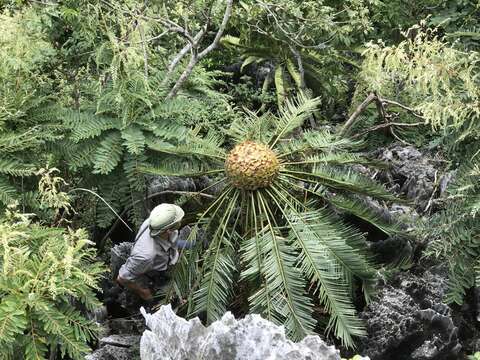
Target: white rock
252, 338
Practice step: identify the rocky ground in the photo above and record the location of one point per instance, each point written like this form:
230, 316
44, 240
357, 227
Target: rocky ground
406, 320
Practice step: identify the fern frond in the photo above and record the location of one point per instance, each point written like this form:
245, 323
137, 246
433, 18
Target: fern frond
15, 167
86, 125
134, 139
13, 320
108, 154
7, 191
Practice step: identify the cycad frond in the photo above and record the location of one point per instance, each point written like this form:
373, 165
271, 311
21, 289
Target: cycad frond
329, 255
194, 146
285, 283
292, 115
253, 127
361, 210
218, 269
315, 141
340, 179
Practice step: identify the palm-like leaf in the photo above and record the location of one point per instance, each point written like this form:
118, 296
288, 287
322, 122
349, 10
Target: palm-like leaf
289, 249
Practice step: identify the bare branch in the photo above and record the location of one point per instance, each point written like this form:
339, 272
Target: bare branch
176, 60
410, 110
371, 97
196, 57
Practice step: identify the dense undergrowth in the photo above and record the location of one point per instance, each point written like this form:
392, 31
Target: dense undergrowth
100, 95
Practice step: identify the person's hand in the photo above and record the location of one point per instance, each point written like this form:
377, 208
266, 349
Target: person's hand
145, 294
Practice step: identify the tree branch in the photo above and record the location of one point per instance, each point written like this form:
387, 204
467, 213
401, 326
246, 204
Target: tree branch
196, 57
351, 120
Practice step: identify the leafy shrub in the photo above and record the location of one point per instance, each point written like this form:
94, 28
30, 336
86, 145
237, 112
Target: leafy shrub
431, 76
44, 273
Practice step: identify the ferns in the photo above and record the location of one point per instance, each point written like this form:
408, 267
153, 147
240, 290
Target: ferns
42, 269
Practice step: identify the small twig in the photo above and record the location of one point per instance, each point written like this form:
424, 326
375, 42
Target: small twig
410, 110
144, 48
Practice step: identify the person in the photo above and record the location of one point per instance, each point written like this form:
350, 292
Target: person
155, 249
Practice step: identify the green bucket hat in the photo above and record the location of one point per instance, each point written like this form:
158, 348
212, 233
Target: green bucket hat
164, 217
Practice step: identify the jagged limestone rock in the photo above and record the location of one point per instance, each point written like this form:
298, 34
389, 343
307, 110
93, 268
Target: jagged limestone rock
251, 338
408, 320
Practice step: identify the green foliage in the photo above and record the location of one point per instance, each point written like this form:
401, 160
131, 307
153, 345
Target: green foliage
475, 356
43, 270
304, 45
456, 233
429, 75
288, 250
24, 85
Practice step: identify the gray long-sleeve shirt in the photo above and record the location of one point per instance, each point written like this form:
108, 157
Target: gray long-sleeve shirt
149, 254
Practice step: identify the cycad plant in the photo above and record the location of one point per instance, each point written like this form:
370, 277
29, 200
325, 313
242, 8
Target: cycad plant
272, 233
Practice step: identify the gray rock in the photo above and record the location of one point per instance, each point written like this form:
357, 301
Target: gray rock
408, 320
121, 340
251, 338
110, 352
418, 176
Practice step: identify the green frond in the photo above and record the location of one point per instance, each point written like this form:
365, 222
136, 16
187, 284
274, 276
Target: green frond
294, 73
131, 167
280, 84
134, 139
208, 147
13, 320
78, 155
7, 191
164, 128
86, 125
315, 140
337, 159
361, 210
183, 168
35, 348
249, 60
57, 324
341, 179
252, 127
284, 279
293, 113
108, 154
15, 167
218, 269
329, 255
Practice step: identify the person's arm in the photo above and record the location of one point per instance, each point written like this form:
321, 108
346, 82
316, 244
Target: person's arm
143, 293
131, 271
